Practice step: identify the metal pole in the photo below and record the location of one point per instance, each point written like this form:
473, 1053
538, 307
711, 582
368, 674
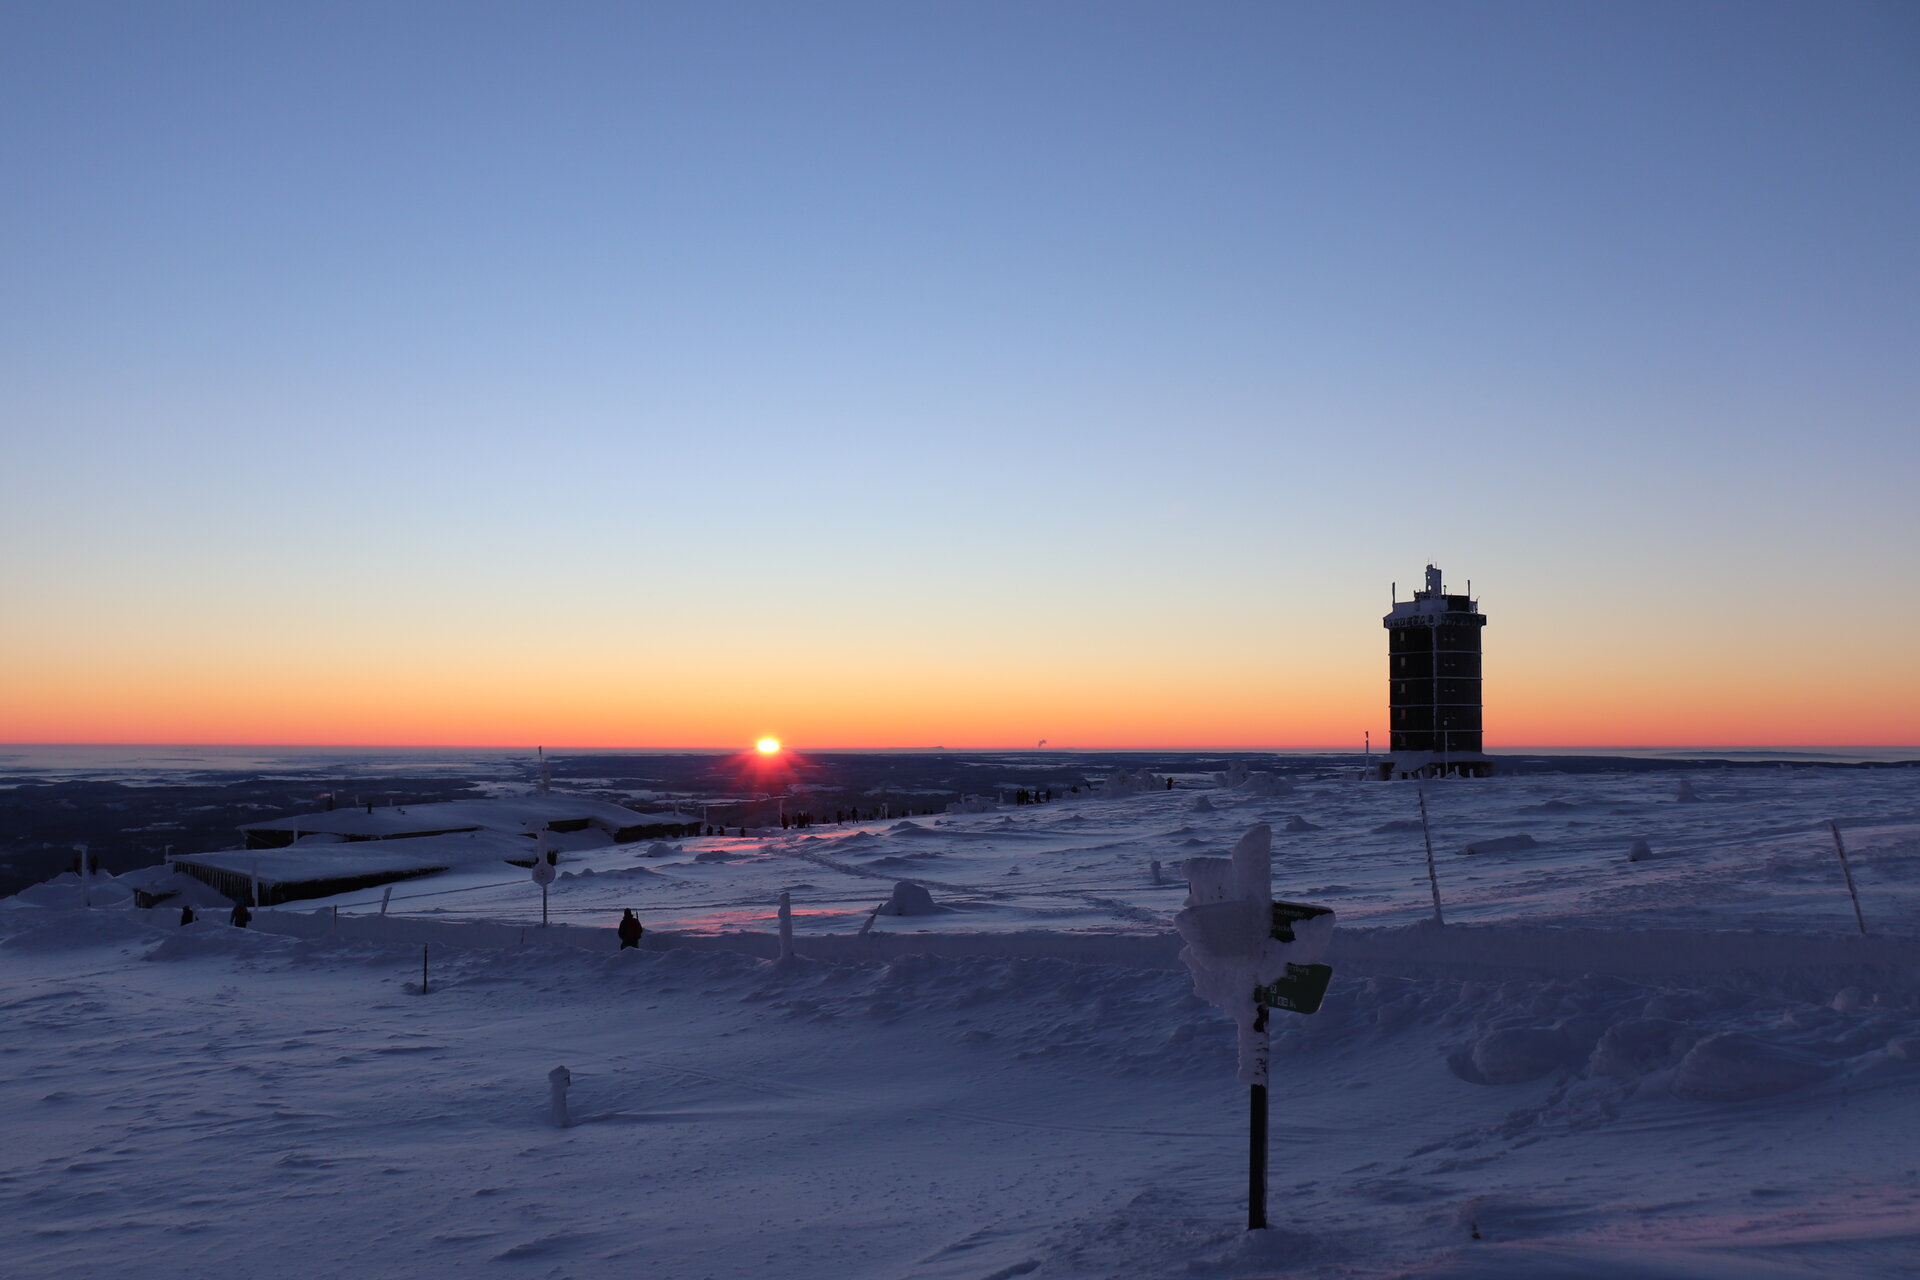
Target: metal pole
1840, 847
543, 906
423, 968
1257, 1140
1433, 880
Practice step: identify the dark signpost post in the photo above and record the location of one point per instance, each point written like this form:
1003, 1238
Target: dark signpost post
544, 870
1299, 990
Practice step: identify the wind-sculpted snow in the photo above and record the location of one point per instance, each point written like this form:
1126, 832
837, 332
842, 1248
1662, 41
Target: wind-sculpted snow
1073, 1119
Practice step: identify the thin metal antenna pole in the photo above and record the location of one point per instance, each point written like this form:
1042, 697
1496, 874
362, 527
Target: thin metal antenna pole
1840, 847
1433, 879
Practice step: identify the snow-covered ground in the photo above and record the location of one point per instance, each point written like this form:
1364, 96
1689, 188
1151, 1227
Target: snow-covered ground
1685, 1066
1751, 852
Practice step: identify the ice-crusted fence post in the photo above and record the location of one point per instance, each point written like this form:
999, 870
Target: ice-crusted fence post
1433, 879
423, 967
786, 925
86, 880
1249, 953
557, 1080
1840, 847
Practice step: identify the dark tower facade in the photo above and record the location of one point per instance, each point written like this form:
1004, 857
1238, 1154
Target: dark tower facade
1433, 689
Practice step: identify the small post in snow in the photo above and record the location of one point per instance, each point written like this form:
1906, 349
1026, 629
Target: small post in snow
423, 967
544, 860
385, 898
786, 925
1155, 864
86, 879
333, 925
1840, 847
1433, 879
558, 1079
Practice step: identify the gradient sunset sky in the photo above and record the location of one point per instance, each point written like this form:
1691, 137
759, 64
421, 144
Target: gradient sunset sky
960, 373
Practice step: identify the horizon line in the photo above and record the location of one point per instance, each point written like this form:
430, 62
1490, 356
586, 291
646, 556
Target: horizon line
1047, 746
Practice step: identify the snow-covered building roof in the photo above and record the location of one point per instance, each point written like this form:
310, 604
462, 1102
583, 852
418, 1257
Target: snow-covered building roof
319, 867
511, 814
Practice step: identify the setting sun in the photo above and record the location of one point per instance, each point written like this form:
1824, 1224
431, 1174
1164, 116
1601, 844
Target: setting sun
767, 746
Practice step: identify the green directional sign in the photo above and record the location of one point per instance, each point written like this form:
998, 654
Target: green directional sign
1288, 914
1300, 991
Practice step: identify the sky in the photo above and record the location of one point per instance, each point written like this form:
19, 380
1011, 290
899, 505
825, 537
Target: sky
954, 373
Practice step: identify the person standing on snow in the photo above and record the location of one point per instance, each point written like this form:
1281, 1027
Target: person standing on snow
630, 929
241, 917
186, 914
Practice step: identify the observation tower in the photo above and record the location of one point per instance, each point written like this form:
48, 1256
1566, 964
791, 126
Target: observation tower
1433, 689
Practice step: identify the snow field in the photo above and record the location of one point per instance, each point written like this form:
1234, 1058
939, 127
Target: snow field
1751, 852
1688, 1066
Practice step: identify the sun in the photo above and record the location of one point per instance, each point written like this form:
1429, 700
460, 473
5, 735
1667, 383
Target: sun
768, 746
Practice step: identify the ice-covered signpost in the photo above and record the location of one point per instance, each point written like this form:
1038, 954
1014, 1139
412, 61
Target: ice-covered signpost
544, 860
1248, 954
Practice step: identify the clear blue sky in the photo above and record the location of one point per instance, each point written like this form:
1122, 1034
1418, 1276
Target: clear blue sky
1055, 339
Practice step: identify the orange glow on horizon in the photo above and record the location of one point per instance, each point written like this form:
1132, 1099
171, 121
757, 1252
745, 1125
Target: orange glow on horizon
768, 746
906, 690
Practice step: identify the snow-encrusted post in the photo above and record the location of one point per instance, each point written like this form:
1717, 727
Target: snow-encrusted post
1248, 953
558, 1079
1840, 847
86, 880
1433, 879
423, 967
543, 869
386, 898
786, 925
1155, 864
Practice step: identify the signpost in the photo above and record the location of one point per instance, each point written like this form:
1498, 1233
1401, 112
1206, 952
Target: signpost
1249, 954
544, 862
